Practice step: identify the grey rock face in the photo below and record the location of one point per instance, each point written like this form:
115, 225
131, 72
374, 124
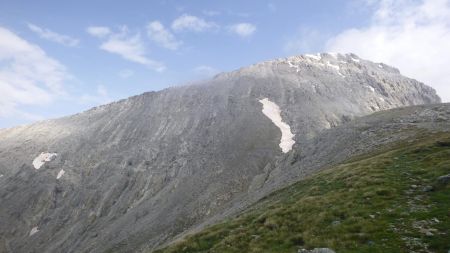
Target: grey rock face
333, 146
140, 171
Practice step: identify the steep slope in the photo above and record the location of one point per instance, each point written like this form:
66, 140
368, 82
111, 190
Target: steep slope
133, 174
394, 199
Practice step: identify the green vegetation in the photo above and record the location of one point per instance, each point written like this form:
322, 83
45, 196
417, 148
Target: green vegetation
387, 202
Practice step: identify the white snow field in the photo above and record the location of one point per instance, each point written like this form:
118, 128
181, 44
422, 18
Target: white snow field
42, 159
273, 112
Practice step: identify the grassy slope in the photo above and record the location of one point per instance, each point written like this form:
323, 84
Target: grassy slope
377, 203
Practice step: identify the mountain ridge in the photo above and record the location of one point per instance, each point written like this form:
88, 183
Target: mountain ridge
282, 60
140, 171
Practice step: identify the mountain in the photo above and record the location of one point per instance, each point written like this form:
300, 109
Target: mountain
395, 198
138, 173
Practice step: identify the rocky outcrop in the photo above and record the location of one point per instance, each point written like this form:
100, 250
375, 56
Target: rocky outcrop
140, 171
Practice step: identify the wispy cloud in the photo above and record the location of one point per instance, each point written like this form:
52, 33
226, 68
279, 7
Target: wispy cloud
244, 30
411, 35
161, 36
53, 36
99, 31
187, 22
129, 46
28, 76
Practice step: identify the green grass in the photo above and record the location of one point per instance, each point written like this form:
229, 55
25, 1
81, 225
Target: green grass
376, 203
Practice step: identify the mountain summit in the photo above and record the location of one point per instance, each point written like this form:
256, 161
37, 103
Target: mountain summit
135, 174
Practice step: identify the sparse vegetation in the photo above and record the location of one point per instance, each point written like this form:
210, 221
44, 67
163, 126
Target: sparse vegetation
388, 202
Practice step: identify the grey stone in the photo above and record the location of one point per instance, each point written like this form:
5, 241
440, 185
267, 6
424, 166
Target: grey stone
336, 222
428, 188
444, 179
323, 250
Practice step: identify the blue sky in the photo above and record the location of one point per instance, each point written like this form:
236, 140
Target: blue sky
59, 57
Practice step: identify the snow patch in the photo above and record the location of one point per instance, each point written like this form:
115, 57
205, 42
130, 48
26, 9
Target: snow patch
314, 87
297, 68
320, 64
1, 175
60, 174
334, 55
371, 88
354, 59
273, 112
34, 231
336, 67
42, 159
380, 66
314, 56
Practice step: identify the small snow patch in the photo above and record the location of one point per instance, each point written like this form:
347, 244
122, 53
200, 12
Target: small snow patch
371, 88
60, 174
1, 175
354, 59
336, 67
273, 112
42, 159
297, 68
319, 64
34, 231
380, 66
334, 55
314, 56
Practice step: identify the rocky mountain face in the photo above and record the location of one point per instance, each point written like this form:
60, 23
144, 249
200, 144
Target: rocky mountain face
387, 189
135, 174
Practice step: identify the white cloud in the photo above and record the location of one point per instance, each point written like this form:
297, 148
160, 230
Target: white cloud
205, 71
411, 35
129, 47
243, 29
27, 76
53, 36
98, 31
187, 22
161, 36
126, 73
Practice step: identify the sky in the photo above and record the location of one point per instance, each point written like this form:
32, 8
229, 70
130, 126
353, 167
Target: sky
58, 58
